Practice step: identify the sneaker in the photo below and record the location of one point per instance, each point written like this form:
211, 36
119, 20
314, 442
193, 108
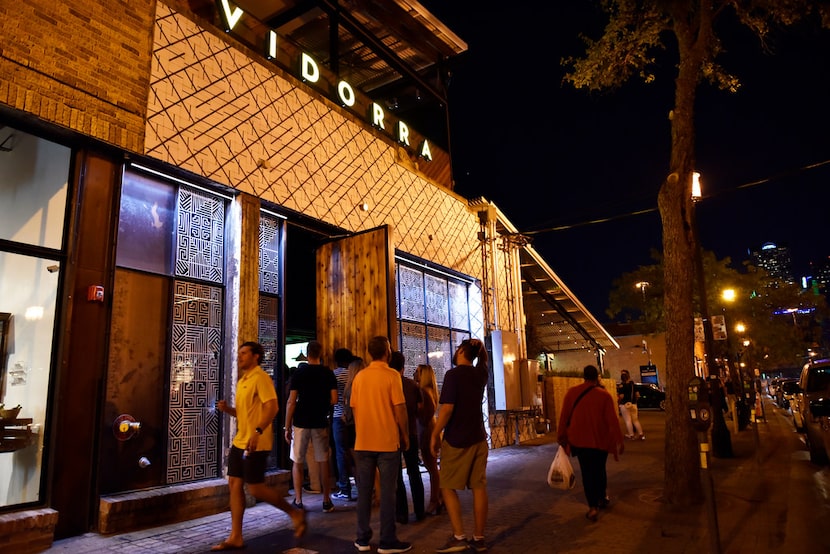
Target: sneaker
328, 507
453, 545
642, 437
297, 504
309, 490
340, 495
478, 545
604, 503
392, 548
362, 546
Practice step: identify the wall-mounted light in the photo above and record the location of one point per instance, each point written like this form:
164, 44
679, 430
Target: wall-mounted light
696, 191
34, 313
363, 206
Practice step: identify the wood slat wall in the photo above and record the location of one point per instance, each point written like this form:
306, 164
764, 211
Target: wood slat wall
356, 292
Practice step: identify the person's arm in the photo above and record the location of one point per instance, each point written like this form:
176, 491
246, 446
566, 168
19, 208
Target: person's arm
269, 412
224, 407
444, 414
289, 414
333, 399
403, 425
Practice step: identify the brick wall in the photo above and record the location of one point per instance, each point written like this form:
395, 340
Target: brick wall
83, 65
27, 531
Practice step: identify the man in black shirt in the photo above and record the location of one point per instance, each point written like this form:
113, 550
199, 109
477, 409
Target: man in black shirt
313, 393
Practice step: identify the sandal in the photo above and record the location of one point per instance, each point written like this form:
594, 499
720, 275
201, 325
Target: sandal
301, 526
223, 546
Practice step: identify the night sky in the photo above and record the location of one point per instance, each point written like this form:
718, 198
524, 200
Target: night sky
550, 156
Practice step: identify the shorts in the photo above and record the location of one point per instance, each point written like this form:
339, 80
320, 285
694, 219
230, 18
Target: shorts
250, 468
463, 468
299, 444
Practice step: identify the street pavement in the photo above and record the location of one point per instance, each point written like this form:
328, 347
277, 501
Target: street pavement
767, 498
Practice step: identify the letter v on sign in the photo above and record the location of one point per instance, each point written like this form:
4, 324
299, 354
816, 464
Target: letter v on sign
231, 18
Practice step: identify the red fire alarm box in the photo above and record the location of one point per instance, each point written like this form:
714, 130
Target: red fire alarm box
95, 293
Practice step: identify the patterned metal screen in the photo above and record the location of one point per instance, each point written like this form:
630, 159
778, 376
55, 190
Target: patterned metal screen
200, 236
269, 332
193, 427
269, 254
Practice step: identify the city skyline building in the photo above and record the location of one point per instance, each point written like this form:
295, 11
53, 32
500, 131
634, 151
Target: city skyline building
776, 260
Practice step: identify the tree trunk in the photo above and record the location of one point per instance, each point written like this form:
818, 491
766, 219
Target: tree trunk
682, 485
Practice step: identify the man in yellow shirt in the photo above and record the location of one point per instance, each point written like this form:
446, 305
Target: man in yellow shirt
256, 408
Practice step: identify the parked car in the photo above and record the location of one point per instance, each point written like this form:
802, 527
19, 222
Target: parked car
795, 410
786, 391
814, 405
650, 396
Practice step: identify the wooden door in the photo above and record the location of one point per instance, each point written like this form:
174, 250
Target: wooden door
356, 292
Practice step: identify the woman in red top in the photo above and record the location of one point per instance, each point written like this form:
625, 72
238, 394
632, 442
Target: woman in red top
589, 428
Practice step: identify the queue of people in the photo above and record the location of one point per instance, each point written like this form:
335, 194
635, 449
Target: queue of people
378, 416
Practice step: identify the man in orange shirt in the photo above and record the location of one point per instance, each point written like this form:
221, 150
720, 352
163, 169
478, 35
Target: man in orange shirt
381, 427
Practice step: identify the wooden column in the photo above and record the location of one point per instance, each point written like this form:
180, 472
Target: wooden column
249, 269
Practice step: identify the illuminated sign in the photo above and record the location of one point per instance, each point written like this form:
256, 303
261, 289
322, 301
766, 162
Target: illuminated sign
310, 73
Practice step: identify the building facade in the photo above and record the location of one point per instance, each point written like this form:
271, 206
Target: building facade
167, 192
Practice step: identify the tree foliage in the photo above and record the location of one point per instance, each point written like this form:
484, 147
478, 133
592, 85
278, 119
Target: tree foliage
782, 321
639, 36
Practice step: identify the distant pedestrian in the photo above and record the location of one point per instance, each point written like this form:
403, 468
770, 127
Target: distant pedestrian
379, 408
425, 378
463, 448
343, 443
590, 429
313, 393
256, 407
414, 402
627, 396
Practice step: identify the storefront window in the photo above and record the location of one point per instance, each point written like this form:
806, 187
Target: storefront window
33, 184
33, 191
433, 316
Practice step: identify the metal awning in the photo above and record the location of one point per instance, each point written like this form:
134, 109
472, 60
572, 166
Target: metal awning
555, 319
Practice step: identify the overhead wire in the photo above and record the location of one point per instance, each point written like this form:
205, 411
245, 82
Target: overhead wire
705, 197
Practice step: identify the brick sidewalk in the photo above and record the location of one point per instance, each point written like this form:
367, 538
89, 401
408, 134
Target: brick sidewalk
766, 501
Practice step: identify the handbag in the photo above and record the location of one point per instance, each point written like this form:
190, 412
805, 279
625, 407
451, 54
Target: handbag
561, 472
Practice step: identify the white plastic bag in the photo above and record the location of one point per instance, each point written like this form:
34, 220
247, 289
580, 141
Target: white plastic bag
561, 472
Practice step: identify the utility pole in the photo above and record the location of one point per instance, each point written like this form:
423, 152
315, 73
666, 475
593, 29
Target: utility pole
721, 439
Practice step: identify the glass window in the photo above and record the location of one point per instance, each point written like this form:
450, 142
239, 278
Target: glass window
411, 295
145, 224
28, 295
433, 317
34, 176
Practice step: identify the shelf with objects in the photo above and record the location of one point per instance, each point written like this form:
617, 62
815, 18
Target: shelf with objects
15, 433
